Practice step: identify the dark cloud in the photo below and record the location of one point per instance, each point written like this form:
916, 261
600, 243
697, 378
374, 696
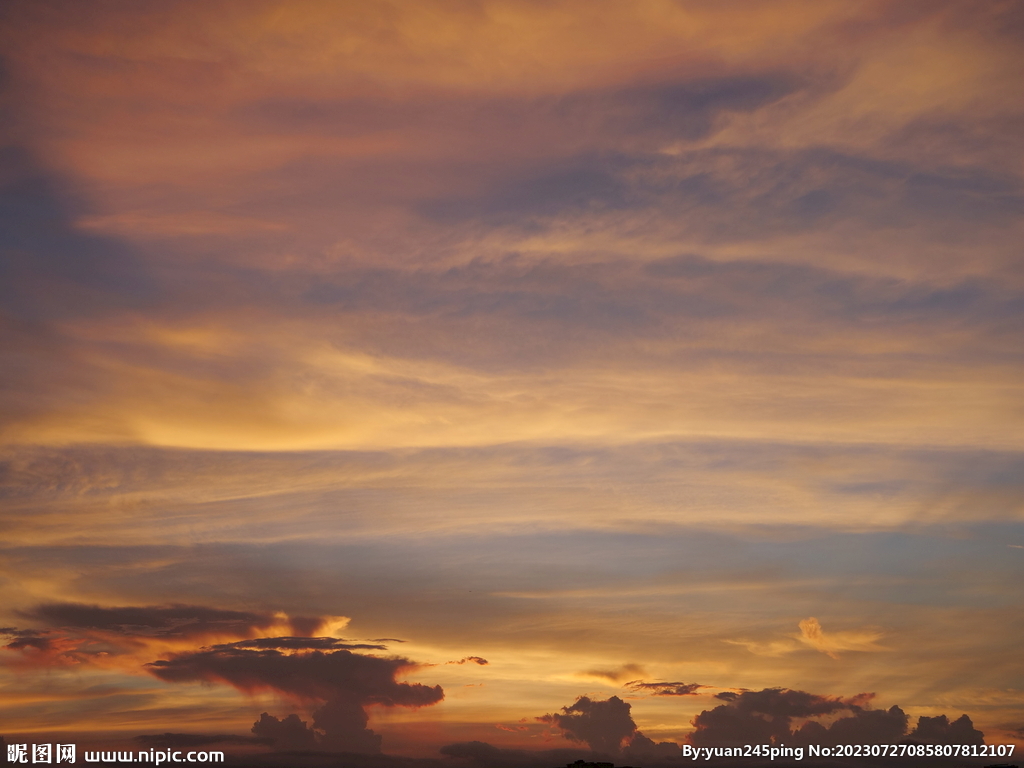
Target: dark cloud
761, 716
617, 674
587, 182
28, 638
644, 750
687, 109
47, 265
342, 721
153, 621
864, 726
778, 191
814, 188
939, 730
665, 689
313, 675
602, 725
287, 734
767, 717
342, 681
302, 643
640, 115
473, 659
619, 299
606, 727
80, 631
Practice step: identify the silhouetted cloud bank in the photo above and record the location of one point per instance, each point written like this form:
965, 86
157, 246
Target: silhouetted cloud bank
607, 727
602, 725
784, 716
344, 683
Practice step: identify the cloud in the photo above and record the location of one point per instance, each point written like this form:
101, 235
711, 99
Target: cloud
603, 725
641, 748
312, 675
607, 727
302, 643
41, 640
409, 228
79, 633
342, 682
768, 716
179, 621
49, 268
864, 726
665, 689
617, 674
511, 729
286, 734
743, 719
772, 648
54, 647
474, 659
813, 635
939, 730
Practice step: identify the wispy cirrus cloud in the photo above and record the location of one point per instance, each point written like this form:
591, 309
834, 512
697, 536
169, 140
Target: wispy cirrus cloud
616, 674
831, 643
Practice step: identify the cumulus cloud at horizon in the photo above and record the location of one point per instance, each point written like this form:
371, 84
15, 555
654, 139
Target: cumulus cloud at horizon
769, 716
607, 727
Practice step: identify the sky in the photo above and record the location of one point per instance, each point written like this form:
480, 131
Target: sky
499, 382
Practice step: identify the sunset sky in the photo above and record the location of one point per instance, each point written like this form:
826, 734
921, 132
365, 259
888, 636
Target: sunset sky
666, 350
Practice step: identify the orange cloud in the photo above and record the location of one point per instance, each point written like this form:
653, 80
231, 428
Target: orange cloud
813, 635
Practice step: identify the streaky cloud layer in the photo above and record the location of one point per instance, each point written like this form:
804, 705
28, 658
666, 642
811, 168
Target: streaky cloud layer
592, 349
